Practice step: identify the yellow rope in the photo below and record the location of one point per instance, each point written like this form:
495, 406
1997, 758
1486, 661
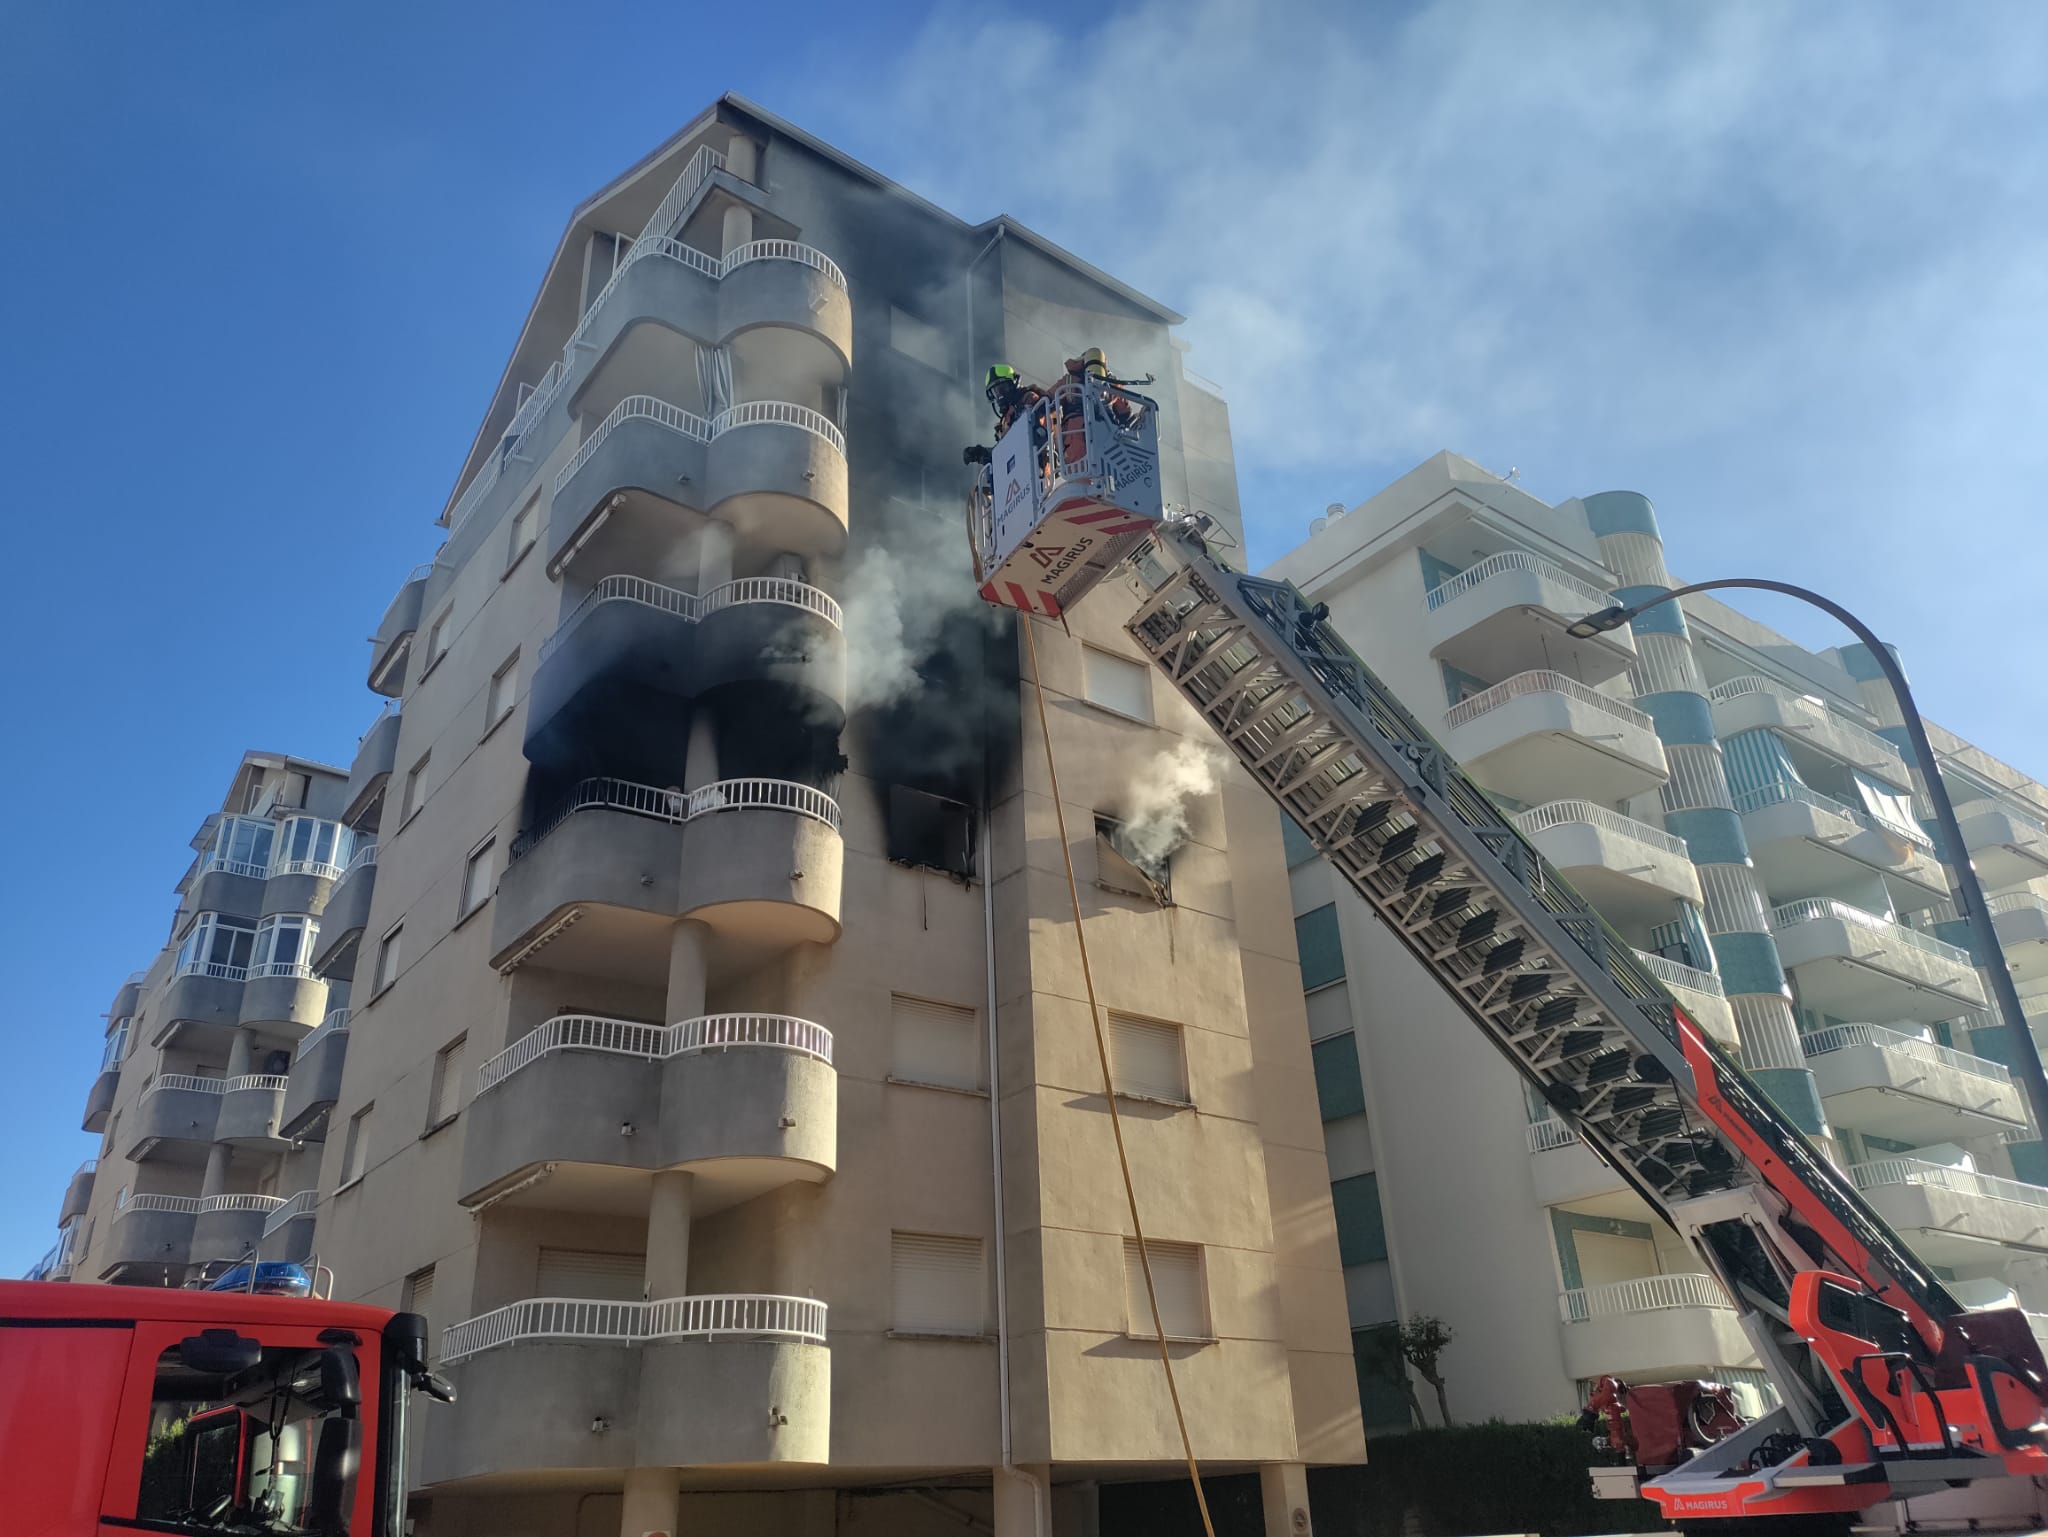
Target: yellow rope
1116, 1124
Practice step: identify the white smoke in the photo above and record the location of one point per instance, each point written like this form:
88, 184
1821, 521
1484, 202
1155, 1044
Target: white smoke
1155, 821
895, 602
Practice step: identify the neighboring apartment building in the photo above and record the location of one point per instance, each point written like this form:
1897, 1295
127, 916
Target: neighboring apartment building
715, 1073
1740, 811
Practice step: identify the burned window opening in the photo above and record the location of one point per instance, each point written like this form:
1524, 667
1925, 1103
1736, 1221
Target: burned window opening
1121, 867
929, 832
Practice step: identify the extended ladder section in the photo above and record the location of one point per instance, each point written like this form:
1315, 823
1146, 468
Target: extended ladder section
1530, 962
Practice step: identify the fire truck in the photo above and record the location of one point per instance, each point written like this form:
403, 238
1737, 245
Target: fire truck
204, 1412
1896, 1405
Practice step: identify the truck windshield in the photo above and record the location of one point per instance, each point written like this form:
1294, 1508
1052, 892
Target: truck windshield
234, 1453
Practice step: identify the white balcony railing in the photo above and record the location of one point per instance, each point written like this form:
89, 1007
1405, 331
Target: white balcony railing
1649, 1294
269, 1083
90, 1166
673, 804
335, 1024
1842, 1037
220, 971
364, 858
1983, 804
1518, 560
783, 251
1563, 813
1777, 794
1814, 908
234, 867
568, 1319
262, 1203
1815, 710
290, 1209
2017, 902
1913, 1171
187, 1082
778, 413
636, 408
691, 607
1544, 682
296, 970
1677, 974
1549, 1134
765, 795
654, 1043
187, 1205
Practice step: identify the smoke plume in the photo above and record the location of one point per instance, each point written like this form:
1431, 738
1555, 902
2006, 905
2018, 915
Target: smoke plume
1155, 821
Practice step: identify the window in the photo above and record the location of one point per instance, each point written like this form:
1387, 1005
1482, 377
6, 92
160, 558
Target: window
415, 789
419, 1294
121, 1199
937, 1285
444, 1098
1361, 1232
930, 832
113, 1142
241, 846
284, 946
1146, 1058
1340, 1088
437, 641
936, 1043
117, 1044
1176, 1280
1116, 683
591, 1274
388, 951
1382, 1376
353, 1152
499, 697
1120, 865
477, 872
1321, 949
310, 846
525, 529
217, 945
918, 339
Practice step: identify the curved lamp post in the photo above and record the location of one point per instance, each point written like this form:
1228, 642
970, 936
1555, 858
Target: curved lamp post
1962, 878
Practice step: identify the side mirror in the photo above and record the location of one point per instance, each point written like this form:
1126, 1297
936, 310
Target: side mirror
337, 1458
219, 1352
341, 1384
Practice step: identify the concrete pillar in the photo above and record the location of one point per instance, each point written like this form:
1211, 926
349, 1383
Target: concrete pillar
714, 555
1023, 1501
736, 228
649, 1507
215, 1180
241, 1052
668, 1236
743, 159
689, 958
1283, 1495
701, 767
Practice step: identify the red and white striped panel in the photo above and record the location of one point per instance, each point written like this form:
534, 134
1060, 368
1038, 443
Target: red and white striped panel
1016, 595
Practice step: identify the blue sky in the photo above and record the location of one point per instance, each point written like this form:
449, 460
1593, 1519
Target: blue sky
1784, 269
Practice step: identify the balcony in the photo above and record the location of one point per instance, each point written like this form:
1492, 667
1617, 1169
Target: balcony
230, 886
392, 643
1853, 964
150, 1239
99, 1100
127, 998
1654, 1328
230, 1227
283, 1000
2021, 919
762, 863
683, 1382
78, 1192
1629, 870
1750, 702
249, 1109
2007, 848
376, 755
1563, 1168
288, 1228
175, 1119
1698, 992
619, 665
1802, 840
747, 1102
346, 915
1493, 618
1953, 1216
1899, 1086
1542, 736
201, 1006
314, 1082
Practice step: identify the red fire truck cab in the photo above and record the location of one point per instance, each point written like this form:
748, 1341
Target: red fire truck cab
124, 1409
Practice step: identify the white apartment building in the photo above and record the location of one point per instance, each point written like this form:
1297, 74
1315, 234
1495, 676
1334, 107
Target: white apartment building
1739, 809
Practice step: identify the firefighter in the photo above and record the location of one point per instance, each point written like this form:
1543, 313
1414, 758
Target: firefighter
1008, 396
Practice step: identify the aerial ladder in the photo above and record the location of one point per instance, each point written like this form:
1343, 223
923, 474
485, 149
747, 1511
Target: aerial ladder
1889, 1390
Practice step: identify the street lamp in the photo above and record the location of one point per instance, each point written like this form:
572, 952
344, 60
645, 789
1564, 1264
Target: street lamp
1962, 878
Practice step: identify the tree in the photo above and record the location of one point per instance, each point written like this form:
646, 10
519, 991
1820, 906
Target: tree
1423, 1342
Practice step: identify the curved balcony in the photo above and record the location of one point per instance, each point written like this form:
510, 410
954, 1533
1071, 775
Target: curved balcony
1751, 701
127, 998
345, 916
1653, 1328
1493, 618
1698, 992
227, 886
777, 473
230, 1227
2021, 919
283, 1000
288, 1228
1857, 965
1949, 1215
77, 1192
314, 1082
683, 1382
762, 862
249, 1110
392, 643
175, 1119
99, 1100
2006, 847
1802, 840
1908, 1089
747, 1102
1630, 870
376, 756
201, 1006
1541, 736
150, 1238
615, 669
306, 889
